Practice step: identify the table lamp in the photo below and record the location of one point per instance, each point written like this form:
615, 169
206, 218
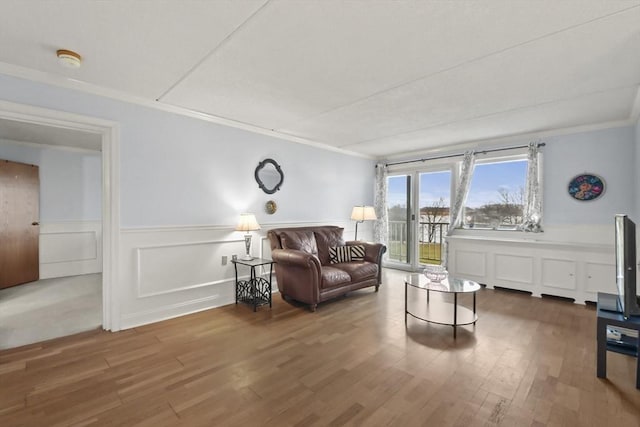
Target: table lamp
362, 213
247, 223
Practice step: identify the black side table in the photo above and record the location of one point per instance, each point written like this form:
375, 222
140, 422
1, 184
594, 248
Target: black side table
257, 290
630, 348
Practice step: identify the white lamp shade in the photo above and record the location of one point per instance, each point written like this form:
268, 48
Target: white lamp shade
363, 213
247, 222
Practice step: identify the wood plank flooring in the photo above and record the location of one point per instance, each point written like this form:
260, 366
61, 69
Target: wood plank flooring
527, 362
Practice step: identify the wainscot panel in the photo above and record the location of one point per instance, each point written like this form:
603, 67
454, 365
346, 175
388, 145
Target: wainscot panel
517, 269
559, 274
576, 270
70, 248
599, 278
177, 267
168, 272
470, 263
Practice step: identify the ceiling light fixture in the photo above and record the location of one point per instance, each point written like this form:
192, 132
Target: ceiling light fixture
69, 58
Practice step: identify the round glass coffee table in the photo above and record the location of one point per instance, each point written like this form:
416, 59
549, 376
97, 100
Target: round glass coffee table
442, 312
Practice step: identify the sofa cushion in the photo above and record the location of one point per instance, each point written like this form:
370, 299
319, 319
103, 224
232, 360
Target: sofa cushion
332, 277
301, 240
326, 238
358, 270
339, 254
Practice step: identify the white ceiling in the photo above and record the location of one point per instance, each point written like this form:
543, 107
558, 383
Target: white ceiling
378, 78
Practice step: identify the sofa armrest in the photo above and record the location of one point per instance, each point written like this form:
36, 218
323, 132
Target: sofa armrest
298, 275
372, 251
292, 257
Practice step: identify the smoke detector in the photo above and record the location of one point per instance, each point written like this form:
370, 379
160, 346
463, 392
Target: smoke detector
69, 58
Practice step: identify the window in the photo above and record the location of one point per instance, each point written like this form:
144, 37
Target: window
496, 195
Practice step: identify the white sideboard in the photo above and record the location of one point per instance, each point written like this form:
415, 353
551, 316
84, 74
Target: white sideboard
571, 270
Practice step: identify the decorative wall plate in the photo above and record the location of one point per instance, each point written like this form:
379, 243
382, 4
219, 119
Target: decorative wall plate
586, 186
271, 207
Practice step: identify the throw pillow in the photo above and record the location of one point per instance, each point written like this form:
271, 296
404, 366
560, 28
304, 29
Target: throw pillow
357, 252
338, 254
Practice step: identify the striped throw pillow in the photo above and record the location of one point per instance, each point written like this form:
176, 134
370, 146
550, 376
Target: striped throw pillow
338, 254
357, 252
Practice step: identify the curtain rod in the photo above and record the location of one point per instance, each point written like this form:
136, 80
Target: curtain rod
540, 144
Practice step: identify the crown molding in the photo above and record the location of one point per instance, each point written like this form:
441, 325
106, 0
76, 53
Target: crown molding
89, 88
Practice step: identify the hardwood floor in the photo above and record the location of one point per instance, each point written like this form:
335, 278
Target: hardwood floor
528, 361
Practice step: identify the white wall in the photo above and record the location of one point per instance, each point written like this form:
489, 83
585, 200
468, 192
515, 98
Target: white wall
178, 162
70, 181
183, 182
609, 153
178, 170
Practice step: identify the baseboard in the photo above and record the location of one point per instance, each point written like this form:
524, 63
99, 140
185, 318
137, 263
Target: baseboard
171, 311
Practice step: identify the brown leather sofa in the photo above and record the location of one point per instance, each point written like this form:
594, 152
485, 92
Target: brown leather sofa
303, 268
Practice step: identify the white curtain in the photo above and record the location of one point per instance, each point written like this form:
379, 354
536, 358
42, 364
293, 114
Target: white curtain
381, 226
532, 211
462, 190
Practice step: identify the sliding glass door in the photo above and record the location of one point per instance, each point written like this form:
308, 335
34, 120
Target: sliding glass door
399, 216
434, 201
416, 230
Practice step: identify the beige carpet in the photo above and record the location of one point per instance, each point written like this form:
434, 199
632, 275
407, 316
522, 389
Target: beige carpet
49, 308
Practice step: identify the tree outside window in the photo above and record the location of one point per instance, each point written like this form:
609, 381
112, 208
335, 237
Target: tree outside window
496, 195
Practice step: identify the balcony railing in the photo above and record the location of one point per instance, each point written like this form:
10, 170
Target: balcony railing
430, 238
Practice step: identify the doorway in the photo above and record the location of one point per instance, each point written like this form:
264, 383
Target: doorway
50, 260
109, 145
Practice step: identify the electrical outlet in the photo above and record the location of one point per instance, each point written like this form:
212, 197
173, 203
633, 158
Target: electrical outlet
224, 260
234, 257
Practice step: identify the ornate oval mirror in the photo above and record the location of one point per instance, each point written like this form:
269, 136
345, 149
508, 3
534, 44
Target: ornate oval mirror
269, 176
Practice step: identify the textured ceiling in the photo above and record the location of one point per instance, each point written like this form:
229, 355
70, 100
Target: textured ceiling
379, 78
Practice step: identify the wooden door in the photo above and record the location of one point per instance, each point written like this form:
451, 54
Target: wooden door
19, 223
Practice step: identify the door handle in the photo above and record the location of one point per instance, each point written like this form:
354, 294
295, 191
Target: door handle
35, 223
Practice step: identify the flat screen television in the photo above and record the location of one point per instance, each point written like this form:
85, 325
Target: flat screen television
625, 242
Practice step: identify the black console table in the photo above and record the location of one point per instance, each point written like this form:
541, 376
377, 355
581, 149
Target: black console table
257, 290
629, 347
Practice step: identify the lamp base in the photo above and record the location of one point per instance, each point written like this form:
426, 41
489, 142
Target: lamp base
356, 236
247, 245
